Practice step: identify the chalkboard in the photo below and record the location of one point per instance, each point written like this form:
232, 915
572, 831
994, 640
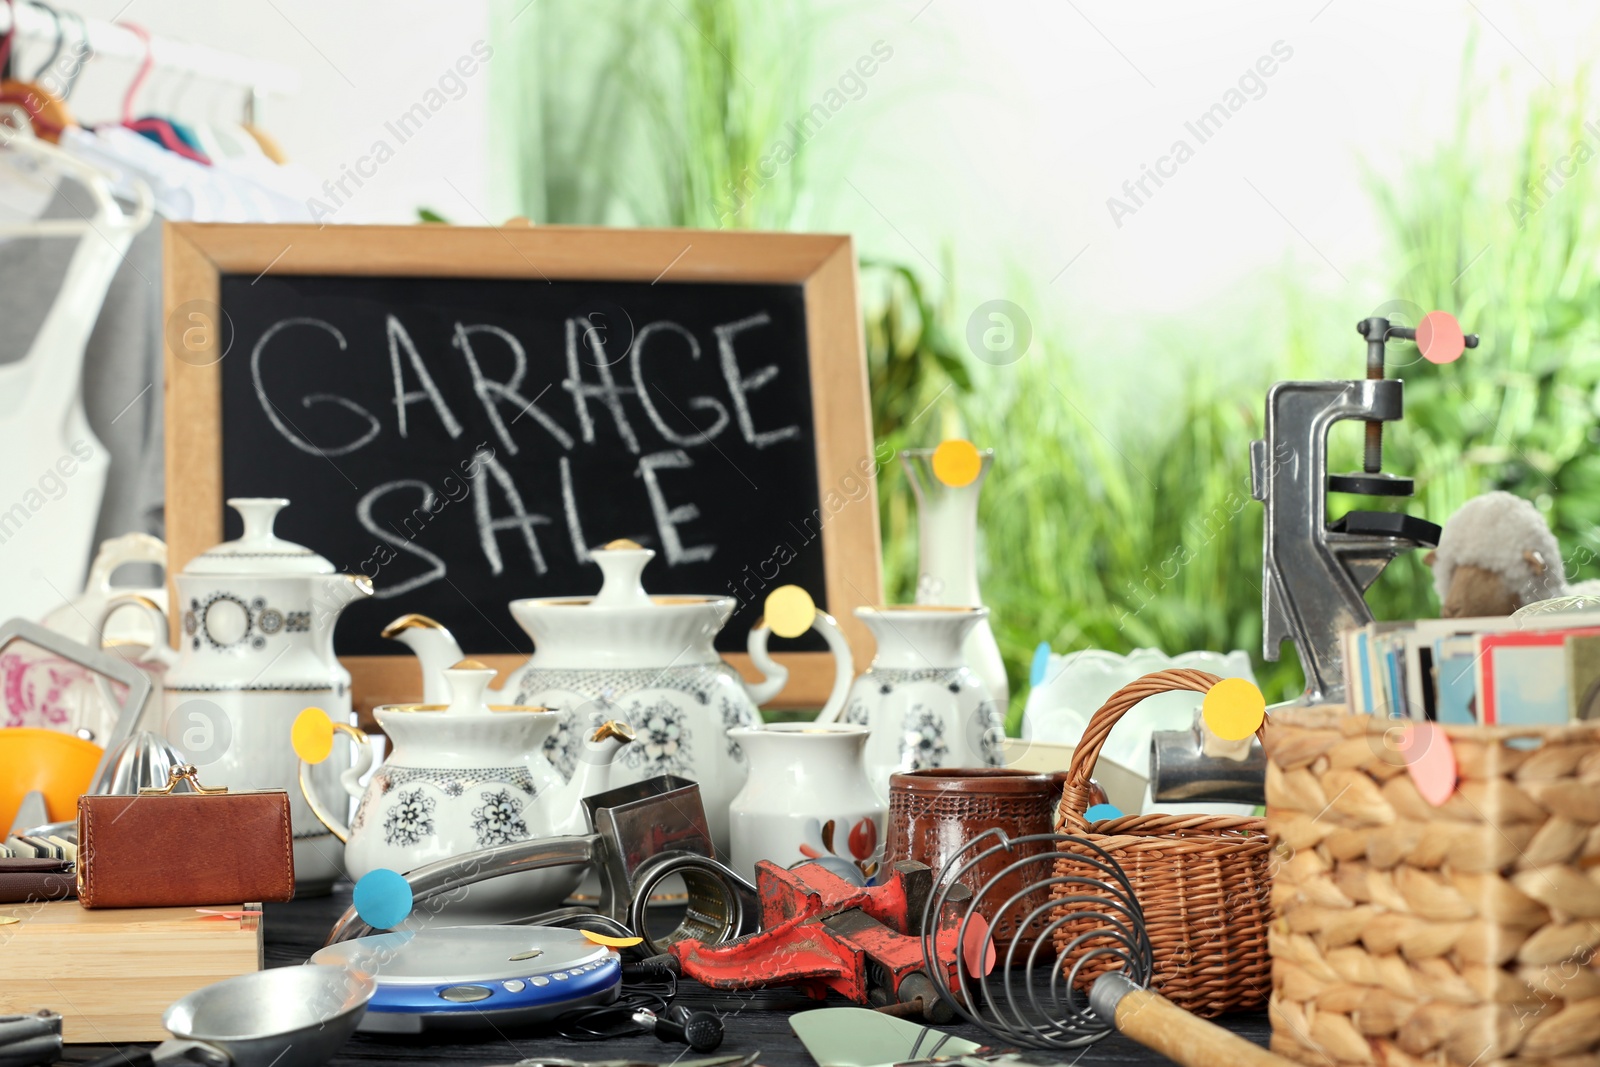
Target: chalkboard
461, 413
462, 442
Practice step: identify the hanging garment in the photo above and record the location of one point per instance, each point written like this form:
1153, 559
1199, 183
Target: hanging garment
121, 360
53, 480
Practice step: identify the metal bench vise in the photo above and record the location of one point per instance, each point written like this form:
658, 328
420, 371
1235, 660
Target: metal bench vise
1315, 573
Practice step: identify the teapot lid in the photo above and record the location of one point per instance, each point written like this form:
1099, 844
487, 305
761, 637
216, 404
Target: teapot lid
468, 683
622, 565
259, 551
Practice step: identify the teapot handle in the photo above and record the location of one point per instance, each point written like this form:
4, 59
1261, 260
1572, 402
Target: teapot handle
777, 675
160, 650
349, 780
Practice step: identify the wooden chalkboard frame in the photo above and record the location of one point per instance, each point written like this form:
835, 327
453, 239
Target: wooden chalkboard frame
197, 254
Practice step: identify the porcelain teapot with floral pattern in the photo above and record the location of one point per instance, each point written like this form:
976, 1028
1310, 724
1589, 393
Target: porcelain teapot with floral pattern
649, 661
255, 645
463, 776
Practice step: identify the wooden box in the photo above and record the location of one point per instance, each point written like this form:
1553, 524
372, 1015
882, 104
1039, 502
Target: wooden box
111, 973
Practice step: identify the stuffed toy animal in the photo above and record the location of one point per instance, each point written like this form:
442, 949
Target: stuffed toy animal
1495, 555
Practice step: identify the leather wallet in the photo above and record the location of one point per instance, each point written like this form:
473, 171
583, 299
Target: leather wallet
28, 881
167, 849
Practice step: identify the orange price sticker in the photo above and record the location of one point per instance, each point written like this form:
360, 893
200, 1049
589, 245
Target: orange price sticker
956, 462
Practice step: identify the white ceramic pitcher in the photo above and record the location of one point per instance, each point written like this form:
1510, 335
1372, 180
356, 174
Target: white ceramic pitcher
807, 798
925, 706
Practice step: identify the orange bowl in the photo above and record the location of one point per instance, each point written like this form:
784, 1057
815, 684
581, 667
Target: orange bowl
56, 764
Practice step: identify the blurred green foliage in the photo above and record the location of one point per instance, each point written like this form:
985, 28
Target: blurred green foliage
615, 112
1512, 246
1142, 534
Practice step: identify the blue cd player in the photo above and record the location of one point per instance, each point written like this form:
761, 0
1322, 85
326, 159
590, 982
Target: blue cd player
465, 977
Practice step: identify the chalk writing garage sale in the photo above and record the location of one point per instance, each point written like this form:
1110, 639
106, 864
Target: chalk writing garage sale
616, 395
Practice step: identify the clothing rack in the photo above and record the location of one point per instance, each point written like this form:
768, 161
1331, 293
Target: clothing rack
108, 39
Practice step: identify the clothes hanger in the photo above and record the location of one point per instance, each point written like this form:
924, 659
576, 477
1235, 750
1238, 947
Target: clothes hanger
47, 112
84, 52
199, 125
55, 49
162, 131
17, 135
177, 84
232, 139
268, 143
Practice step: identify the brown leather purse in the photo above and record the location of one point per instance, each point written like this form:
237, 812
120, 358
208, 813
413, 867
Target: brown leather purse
167, 849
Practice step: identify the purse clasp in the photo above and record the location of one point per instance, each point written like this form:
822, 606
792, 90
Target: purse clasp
183, 772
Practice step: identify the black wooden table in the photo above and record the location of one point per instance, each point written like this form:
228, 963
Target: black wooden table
294, 930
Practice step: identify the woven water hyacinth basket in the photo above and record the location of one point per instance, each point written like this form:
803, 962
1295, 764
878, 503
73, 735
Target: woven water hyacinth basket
1453, 936
1202, 881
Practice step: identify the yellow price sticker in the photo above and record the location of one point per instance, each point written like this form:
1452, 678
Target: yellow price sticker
956, 462
790, 611
312, 735
1234, 709
611, 942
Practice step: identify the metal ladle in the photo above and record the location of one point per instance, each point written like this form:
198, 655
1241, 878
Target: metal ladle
254, 1020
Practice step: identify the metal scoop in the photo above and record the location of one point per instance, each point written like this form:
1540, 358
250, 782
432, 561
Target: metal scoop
299, 1015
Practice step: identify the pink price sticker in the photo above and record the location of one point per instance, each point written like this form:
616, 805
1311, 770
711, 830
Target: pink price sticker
1439, 337
977, 947
1430, 759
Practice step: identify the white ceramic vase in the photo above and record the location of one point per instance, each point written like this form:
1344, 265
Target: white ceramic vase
807, 798
947, 557
925, 706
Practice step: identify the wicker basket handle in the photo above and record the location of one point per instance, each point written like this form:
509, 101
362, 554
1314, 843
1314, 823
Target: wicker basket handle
1075, 794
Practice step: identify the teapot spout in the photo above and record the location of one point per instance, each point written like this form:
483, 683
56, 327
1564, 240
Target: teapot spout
592, 774
332, 594
435, 648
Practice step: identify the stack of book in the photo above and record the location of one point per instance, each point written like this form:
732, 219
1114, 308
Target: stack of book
1539, 670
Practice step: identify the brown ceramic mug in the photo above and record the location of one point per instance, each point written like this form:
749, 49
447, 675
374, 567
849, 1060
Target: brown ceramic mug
933, 814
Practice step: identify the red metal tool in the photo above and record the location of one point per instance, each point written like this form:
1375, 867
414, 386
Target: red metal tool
820, 933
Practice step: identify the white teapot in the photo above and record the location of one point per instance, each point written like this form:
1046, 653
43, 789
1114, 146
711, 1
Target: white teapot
257, 644
465, 776
649, 661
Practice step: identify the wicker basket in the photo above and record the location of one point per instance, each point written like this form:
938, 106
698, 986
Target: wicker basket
1457, 935
1201, 880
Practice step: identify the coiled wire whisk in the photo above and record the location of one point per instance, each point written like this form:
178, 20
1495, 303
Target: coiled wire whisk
1031, 994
